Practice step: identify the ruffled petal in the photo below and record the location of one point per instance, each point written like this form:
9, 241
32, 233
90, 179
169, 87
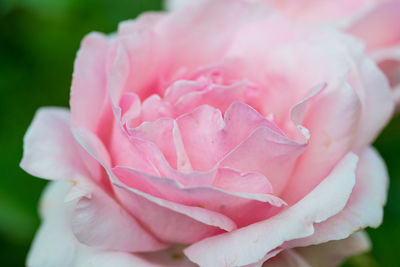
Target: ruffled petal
205, 132
163, 218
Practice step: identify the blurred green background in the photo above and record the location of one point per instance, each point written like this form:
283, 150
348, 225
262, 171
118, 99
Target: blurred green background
38, 43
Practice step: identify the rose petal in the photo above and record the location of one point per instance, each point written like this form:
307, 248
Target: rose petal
364, 208
250, 244
125, 153
329, 143
268, 153
50, 150
218, 96
166, 219
55, 244
333, 253
206, 132
172, 257
376, 99
89, 82
165, 134
243, 208
246, 182
154, 107
288, 258
100, 222
163, 218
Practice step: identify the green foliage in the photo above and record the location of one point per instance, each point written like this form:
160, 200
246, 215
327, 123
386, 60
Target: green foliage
38, 43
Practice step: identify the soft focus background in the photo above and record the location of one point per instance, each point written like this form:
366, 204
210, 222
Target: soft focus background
38, 43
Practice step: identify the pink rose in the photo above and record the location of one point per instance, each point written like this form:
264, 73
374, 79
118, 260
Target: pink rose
375, 22
218, 134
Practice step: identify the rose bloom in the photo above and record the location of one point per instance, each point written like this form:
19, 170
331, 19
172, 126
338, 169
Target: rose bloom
219, 134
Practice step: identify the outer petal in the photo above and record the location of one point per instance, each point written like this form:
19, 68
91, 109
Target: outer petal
167, 258
333, 253
50, 150
250, 244
55, 245
172, 257
329, 254
377, 102
379, 29
100, 222
287, 258
371, 87
364, 208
